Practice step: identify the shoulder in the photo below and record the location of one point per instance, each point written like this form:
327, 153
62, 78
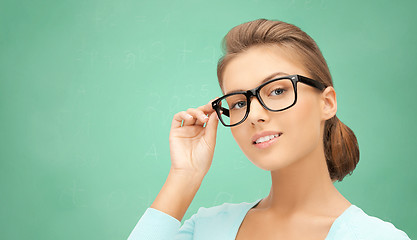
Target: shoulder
357, 224
218, 222
225, 209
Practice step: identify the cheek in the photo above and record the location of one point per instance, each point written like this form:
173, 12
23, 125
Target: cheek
242, 136
304, 124
301, 127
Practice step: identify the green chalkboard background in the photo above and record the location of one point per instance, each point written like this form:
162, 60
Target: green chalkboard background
88, 90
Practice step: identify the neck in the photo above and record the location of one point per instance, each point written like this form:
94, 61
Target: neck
304, 186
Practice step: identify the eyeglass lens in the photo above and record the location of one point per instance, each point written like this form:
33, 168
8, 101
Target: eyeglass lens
276, 95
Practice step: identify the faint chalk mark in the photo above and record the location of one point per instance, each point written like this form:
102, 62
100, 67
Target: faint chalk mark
116, 199
184, 52
152, 152
204, 90
188, 89
130, 60
151, 113
156, 98
73, 194
167, 19
87, 161
109, 62
158, 49
323, 4
93, 58
140, 19
81, 90
212, 55
239, 163
175, 103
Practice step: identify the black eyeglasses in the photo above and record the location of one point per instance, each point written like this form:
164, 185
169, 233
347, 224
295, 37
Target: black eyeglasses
274, 95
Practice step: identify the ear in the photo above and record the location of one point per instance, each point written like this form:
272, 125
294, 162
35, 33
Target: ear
329, 103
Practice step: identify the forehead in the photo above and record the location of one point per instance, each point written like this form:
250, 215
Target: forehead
247, 70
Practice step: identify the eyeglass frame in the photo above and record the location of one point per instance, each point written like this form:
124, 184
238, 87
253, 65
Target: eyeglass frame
256, 93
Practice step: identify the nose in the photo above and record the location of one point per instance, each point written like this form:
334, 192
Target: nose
257, 113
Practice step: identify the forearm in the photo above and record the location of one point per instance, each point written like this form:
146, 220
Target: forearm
177, 193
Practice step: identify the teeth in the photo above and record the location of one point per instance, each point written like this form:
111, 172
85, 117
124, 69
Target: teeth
266, 138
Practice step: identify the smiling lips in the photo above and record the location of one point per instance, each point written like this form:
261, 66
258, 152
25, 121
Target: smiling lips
257, 137
265, 139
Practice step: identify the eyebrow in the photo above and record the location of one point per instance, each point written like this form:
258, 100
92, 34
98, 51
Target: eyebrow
269, 77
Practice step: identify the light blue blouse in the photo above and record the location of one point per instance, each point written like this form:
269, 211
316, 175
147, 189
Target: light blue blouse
223, 222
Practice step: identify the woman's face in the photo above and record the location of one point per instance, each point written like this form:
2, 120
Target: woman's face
299, 126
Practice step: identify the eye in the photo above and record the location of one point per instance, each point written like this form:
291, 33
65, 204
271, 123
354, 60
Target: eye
239, 105
277, 91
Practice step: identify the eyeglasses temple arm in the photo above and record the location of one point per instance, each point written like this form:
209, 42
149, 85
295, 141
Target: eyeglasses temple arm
311, 82
225, 112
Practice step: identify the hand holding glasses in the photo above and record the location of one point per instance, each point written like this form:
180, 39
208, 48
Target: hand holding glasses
192, 144
192, 140
274, 95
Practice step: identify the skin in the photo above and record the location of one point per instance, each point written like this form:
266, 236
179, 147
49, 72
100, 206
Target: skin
303, 202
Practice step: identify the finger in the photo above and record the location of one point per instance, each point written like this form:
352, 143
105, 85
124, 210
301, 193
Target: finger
179, 118
207, 109
201, 123
189, 121
199, 115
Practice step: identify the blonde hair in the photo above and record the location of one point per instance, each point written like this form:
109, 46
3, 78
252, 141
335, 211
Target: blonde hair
340, 144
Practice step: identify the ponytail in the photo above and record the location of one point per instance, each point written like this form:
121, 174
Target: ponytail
341, 149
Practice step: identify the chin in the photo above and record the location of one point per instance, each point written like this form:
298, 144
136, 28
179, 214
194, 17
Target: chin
269, 163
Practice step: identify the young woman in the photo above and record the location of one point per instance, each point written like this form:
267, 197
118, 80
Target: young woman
280, 105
